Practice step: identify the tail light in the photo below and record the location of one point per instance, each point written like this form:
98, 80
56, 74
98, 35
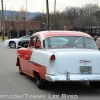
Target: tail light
52, 58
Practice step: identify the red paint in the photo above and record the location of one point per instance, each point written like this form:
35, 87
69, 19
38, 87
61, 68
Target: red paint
27, 67
38, 68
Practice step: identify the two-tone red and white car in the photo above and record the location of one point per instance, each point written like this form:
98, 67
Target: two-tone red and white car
60, 56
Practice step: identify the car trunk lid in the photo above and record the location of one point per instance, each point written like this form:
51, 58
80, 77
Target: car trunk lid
78, 61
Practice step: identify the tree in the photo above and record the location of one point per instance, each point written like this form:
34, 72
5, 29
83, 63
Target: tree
59, 20
84, 16
39, 17
72, 13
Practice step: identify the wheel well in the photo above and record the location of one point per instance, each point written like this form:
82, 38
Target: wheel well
10, 42
35, 72
25, 44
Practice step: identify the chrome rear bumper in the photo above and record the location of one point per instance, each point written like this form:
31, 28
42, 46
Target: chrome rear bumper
73, 77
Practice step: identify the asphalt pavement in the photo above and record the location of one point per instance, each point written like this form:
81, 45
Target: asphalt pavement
14, 86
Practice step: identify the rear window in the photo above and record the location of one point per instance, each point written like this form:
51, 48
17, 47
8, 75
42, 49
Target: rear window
69, 42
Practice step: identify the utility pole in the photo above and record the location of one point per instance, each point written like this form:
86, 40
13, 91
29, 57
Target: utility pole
12, 13
47, 9
5, 13
54, 14
54, 7
3, 22
26, 9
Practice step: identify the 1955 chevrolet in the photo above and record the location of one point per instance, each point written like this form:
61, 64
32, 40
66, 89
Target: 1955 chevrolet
60, 56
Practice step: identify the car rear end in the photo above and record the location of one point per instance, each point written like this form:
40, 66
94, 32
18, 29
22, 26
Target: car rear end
76, 65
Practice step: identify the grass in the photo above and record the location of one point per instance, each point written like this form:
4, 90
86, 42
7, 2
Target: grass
6, 37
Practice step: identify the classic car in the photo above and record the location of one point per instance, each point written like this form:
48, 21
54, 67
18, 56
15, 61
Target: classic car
60, 56
13, 43
23, 43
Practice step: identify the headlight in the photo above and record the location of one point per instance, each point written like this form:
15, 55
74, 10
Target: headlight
20, 42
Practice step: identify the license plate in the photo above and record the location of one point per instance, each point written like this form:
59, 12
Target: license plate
85, 69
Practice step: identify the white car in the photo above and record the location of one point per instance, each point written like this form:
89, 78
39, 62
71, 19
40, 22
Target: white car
13, 43
60, 56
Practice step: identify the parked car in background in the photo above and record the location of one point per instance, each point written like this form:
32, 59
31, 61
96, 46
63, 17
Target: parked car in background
13, 43
60, 56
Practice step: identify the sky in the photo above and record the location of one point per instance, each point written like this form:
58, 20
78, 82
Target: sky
40, 5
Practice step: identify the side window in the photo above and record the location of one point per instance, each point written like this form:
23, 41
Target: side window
38, 43
32, 41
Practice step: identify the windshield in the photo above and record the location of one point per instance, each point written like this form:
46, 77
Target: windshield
25, 37
69, 42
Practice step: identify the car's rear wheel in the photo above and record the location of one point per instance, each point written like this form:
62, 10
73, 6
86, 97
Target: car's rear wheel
95, 84
42, 84
12, 44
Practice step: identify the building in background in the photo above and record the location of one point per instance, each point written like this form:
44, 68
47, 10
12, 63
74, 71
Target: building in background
15, 29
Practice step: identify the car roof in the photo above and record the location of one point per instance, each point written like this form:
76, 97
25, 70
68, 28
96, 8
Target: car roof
46, 34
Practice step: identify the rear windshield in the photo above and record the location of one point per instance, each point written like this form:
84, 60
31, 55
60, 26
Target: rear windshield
69, 42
